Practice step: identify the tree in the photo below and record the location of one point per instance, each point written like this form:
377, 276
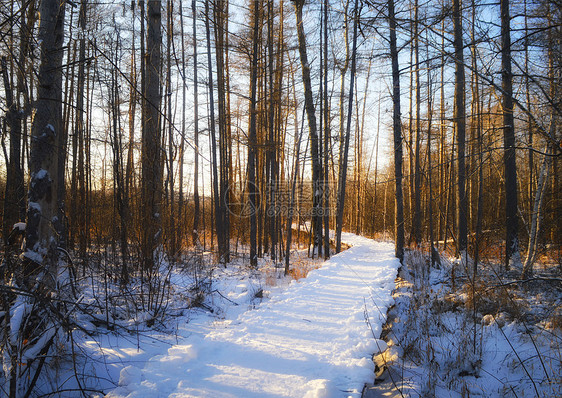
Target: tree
416, 223
510, 167
40, 251
344, 150
14, 195
173, 249
151, 140
77, 183
397, 133
196, 210
312, 127
326, 109
538, 208
459, 119
252, 138
220, 12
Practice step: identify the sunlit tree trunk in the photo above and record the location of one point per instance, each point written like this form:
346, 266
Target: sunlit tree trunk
173, 248
417, 217
397, 133
313, 131
196, 205
345, 150
459, 118
220, 10
327, 132
252, 138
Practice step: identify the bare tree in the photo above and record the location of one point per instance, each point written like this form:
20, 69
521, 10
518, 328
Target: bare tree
252, 138
417, 216
326, 109
40, 251
510, 167
312, 127
41, 247
196, 210
345, 149
459, 118
397, 133
151, 140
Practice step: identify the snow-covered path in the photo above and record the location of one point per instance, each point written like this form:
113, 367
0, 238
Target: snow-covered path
312, 340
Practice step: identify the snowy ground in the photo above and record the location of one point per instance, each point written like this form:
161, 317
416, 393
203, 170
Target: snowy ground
312, 338
443, 344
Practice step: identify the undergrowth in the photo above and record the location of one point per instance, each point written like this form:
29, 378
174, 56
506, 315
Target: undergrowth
455, 334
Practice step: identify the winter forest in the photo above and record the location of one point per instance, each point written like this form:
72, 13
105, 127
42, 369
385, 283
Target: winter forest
280, 198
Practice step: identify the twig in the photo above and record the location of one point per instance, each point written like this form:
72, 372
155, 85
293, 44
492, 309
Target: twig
226, 298
518, 358
368, 321
515, 282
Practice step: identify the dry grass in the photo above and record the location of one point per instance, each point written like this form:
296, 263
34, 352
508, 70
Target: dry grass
301, 267
440, 326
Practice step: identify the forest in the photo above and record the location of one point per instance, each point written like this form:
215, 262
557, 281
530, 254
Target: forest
143, 140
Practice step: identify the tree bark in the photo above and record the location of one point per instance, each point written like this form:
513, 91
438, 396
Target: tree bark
460, 127
13, 195
417, 229
151, 140
252, 138
510, 167
312, 127
344, 154
397, 133
40, 250
327, 132
173, 248
536, 222
196, 205
220, 11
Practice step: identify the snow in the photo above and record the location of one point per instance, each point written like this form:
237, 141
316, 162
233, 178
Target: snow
20, 310
41, 174
33, 352
437, 347
35, 206
310, 340
33, 256
20, 226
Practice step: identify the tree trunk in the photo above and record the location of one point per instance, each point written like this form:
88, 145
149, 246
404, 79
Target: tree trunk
252, 139
344, 154
294, 178
312, 127
538, 208
40, 251
151, 140
181, 199
223, 234
397, 133
510, 168
196, 205
460, 127
271, 213
118, 180
173, 248
417, 229
14, 194
327, 132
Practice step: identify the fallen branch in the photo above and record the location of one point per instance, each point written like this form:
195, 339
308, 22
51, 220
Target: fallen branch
537, 278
